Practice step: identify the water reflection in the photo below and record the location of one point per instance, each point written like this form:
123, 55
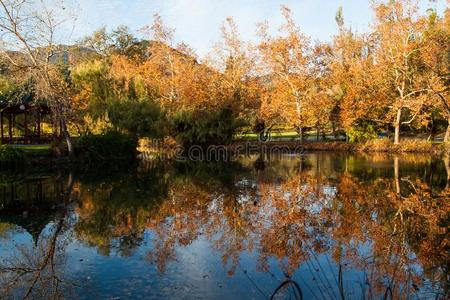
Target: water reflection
338, 226
36, 203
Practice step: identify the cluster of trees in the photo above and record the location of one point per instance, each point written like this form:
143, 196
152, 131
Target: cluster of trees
393, 78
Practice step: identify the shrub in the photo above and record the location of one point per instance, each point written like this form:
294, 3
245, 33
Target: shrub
421, 146
109, 146
412, 146
142, 118
205, 128
58, 148
362, 133
10, 156
377, 145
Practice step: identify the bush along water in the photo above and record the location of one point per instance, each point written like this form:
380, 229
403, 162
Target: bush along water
205, 128
362, 133
109, 146
10, 157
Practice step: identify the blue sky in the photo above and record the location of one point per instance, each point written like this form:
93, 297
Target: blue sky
198, 22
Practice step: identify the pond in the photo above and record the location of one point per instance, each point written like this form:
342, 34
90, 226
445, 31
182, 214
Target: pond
317, 225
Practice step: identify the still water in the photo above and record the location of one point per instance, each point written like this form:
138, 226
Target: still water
320, 226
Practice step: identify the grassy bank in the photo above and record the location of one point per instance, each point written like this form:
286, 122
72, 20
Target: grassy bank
33, 150
88, 149
24, 155
378, 145
113, 147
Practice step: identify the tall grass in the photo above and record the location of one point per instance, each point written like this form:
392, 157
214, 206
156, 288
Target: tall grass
406, 146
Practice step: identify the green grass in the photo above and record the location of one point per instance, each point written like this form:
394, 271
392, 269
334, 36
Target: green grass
35, 150
287, 134
31, 147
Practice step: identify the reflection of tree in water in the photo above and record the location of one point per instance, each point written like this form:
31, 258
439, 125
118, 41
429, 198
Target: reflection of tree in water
401, 230
30, 201
37, 270
114, 210
291, 212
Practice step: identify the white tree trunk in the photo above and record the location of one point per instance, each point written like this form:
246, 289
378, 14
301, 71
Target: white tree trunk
397, 174
398, 120
68, 138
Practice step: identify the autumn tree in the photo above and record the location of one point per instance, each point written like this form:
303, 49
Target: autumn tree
29, 44
170, 69
321, 101
234, 61
285, 71
400, 37
434, 57
119, 41
356, 87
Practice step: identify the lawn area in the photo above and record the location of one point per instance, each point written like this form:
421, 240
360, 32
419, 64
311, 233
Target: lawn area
33, 149
254, 136
309, 136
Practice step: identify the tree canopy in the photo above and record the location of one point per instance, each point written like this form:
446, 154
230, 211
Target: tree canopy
393, 78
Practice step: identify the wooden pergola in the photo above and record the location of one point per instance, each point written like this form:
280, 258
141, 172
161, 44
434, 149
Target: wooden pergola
31, 127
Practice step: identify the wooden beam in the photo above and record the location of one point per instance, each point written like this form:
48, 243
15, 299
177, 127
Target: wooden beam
39, 125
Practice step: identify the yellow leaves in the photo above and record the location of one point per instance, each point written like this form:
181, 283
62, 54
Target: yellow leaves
284, 62
123, 67
96, 126
87, 69
286, 80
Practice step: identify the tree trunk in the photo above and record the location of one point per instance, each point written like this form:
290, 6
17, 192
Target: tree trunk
397, 175
397, 126
300, 133
318, 134
447, 134
68, 138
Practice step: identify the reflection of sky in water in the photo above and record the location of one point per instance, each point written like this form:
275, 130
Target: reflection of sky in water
199, 268
198, 273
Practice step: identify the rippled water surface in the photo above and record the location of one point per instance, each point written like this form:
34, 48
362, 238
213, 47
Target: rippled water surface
324, 226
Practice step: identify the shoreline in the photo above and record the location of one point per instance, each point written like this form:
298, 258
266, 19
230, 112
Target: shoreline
375, 146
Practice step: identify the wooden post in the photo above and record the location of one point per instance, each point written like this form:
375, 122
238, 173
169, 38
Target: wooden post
1, 125
10, 128
39, 125
25, 124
